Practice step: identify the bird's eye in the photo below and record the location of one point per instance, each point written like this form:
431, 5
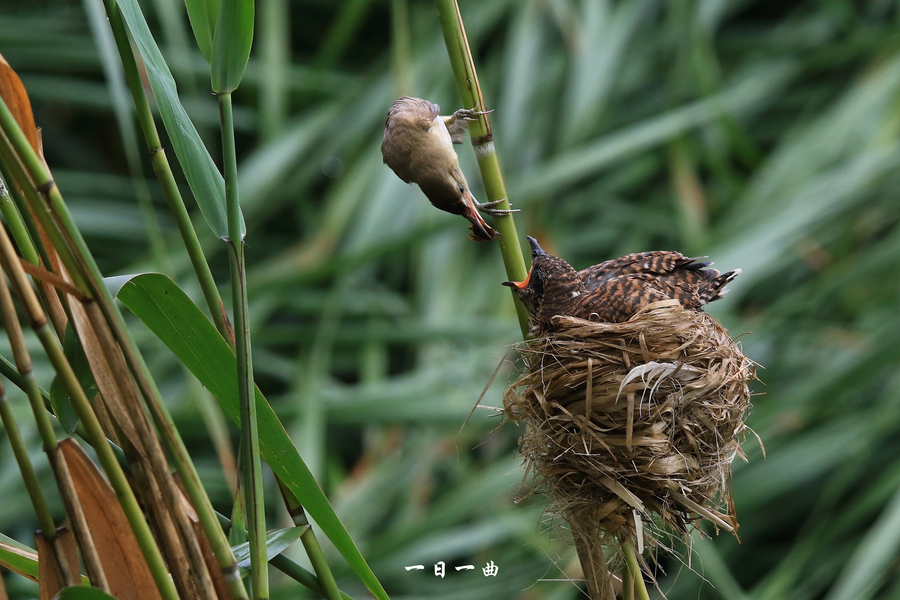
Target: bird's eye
462, 189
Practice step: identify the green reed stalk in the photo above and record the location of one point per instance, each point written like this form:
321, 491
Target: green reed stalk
325, 579
52, 347
251, 464
17, 227
483, 143
164, 173
41, 509
79, 262
634, 570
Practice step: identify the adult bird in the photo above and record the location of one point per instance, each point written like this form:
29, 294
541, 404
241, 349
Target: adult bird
418, 147
615, 290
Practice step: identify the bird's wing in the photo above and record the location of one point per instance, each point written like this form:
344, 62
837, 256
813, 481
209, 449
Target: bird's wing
407, 121
457, 128
428, 119
407, 111
661, 263
620, 297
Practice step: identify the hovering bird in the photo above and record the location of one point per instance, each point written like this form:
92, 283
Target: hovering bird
418, 147
615, 290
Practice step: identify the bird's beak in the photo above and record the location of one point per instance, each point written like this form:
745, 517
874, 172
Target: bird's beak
481, 231
536, 249
521, 285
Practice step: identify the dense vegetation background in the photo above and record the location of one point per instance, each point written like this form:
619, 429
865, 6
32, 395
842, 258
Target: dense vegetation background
763, 134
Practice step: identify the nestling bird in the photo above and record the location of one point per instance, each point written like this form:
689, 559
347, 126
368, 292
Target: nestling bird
418, 147
552, 287
615, 290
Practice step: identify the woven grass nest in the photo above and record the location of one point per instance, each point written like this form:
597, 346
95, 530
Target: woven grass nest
632, 425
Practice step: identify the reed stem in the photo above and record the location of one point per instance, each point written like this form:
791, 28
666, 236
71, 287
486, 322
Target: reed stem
251, 464
52, 347
483, 142
633, 570
325, 578
38, 502
13, 219
164, 173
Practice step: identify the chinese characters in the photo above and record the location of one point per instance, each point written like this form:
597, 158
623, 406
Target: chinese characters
440, 569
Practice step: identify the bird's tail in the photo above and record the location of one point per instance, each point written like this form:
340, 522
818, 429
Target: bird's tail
715, 288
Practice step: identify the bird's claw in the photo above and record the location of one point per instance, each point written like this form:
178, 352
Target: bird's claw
488, 208
470, 114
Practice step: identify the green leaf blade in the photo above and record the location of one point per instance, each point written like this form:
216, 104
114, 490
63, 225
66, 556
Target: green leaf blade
203, 176
277, 541
59, 396
18, 558
202, 15
168, 312
81, 592
231, 44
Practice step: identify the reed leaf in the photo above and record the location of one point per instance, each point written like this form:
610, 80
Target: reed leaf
204, 178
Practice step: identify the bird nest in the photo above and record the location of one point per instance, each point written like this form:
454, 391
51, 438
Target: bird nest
635, 423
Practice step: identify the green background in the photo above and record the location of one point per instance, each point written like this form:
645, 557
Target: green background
761, 134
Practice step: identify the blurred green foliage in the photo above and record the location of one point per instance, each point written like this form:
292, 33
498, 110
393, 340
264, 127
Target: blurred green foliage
763, 134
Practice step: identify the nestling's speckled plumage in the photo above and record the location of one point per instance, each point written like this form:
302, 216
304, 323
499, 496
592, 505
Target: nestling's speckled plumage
622, 286
615, 290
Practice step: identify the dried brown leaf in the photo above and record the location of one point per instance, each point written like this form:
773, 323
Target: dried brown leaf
16, 99
157, 490
62, 550
123, 562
